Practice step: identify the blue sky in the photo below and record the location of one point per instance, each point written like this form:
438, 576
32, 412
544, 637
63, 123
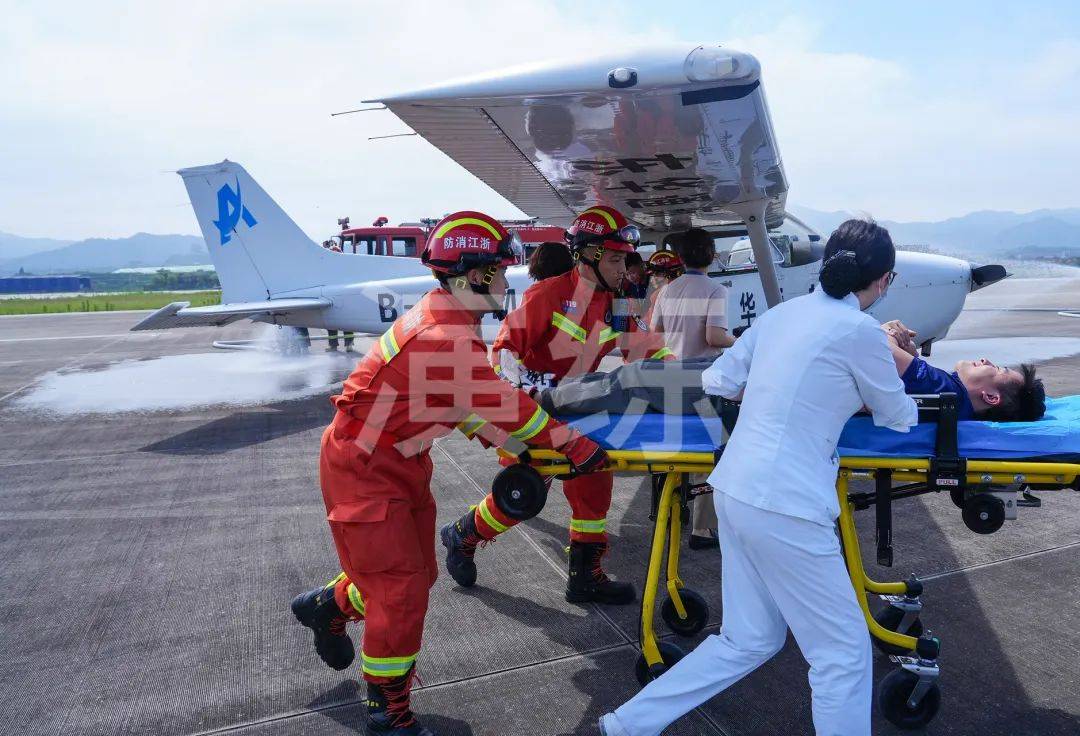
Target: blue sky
906, 111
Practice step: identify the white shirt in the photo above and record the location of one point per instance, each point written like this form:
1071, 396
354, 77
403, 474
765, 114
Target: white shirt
806, 365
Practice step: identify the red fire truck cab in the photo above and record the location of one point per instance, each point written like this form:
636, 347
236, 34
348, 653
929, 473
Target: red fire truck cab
407, 239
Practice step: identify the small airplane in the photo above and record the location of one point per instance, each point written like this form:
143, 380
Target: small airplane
673, 137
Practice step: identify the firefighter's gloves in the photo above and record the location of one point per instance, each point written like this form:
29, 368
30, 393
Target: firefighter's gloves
585, 456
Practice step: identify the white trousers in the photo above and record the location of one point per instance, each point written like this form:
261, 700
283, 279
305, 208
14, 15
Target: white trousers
778, 572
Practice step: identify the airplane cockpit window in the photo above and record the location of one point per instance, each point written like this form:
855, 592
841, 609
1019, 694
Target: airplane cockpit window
741, 255
787, 251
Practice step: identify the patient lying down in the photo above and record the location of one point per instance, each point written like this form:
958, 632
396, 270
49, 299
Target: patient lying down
984, 390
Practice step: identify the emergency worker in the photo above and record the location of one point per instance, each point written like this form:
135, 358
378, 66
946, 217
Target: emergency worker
663, 267
776, 499
426, 375
564, 326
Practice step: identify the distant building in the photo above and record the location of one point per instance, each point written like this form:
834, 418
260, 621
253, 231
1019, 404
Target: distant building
43, 284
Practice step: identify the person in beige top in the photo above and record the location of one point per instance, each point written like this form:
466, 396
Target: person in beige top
691, 311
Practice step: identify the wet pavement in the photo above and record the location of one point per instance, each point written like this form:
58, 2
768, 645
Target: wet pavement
159, 507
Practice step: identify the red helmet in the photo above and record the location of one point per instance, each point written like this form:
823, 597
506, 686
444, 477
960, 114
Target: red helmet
666, 263
603, 226
466, 240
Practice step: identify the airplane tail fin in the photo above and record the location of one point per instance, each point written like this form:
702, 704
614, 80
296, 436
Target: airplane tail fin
257, 249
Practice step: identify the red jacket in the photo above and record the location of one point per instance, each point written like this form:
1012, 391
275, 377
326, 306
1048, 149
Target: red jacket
428, 374
563, 327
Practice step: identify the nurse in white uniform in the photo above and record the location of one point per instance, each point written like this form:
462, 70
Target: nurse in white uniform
802, 369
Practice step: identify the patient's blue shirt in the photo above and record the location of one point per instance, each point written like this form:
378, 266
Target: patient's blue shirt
923, 378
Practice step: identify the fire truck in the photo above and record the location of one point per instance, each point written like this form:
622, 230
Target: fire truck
407, 239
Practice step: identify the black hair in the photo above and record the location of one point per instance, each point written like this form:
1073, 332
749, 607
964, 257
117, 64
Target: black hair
1023, 403
858, 253
696, 247
550, 259
634, 259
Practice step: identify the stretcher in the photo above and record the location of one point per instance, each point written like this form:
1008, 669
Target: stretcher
989, 469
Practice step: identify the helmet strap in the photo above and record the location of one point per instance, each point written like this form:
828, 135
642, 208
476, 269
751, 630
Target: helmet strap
483, 289
593, 262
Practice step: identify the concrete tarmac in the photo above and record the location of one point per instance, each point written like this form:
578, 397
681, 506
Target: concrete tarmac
148, 557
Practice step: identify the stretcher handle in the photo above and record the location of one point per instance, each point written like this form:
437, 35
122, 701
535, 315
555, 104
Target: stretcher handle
631, 456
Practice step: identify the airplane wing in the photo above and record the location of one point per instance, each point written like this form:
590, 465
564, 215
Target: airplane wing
673, 137
181, 314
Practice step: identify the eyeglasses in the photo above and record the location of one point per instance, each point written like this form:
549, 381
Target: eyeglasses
892, 277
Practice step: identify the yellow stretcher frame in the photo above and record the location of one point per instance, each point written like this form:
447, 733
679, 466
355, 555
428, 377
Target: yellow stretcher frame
667, 530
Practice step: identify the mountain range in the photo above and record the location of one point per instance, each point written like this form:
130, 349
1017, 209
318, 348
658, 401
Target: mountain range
989, 232
100, 254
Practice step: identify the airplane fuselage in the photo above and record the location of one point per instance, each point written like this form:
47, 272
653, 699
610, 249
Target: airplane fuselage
927, 295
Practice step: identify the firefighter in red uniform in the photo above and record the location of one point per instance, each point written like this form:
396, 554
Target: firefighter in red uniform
564, 326
663, 267
426, 375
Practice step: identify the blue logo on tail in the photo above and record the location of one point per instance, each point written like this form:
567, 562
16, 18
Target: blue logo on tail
231, 210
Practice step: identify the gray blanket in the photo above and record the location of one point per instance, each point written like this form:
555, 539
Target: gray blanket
667, 387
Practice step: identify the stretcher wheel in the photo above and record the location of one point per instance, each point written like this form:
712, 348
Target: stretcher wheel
697, 613
983, 513
669, 653
893, 693
957, 496
890, 618
519, 492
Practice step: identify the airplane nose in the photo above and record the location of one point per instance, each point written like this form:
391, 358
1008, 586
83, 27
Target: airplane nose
982, 276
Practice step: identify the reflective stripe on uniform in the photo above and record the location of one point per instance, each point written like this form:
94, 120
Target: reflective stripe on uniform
386, 666
470, 425
661, 353
564, 323
607, 335
468, 221
531, 428
588, 526
355, 599
335, 581
389, 345
489, 518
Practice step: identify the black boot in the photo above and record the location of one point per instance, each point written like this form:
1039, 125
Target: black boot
318, 610
589, 582
389, 712
460, 539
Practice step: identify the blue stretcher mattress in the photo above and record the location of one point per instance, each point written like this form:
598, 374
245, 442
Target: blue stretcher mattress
1056, 435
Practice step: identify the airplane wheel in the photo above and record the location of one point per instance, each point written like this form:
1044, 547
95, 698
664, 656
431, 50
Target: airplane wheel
669, 653
893, 694
983, 513
957, 496
890, 618
697, 613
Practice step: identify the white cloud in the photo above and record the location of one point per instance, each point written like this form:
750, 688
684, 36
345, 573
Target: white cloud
101, 99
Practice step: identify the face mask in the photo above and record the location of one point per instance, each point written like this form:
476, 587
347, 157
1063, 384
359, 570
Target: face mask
874, 303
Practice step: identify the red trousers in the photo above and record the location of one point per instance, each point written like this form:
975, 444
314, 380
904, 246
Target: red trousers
589, 497
382, 517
